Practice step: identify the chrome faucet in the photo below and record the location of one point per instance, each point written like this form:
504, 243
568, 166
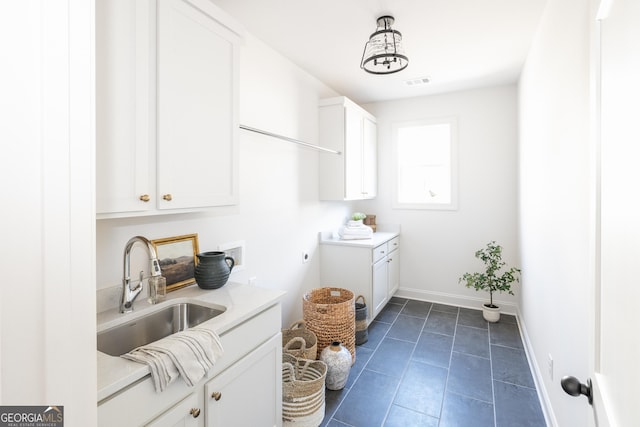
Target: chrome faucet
129, 295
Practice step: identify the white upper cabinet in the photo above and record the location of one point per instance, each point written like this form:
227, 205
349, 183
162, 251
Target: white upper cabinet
197, 97
348, 128
167, 107
369, 157
125, 120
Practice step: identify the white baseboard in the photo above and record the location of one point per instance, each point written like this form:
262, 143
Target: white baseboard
453, 299
543, 396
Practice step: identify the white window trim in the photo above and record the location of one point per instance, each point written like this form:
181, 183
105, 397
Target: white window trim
453, 123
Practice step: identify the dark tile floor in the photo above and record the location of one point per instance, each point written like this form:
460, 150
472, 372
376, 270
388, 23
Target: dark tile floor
436, 365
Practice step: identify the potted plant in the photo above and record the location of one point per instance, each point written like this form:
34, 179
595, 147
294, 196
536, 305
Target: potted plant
495, 278
356, 219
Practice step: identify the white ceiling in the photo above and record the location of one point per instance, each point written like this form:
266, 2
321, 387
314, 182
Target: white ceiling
458, 44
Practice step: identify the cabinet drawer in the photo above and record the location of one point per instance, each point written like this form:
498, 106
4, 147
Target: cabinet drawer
393, 244
379, 252
184, 414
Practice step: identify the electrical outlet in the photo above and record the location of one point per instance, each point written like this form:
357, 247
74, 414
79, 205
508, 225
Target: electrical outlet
235, 250
550, 366
305, 257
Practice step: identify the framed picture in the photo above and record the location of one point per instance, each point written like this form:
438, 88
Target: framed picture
177, 257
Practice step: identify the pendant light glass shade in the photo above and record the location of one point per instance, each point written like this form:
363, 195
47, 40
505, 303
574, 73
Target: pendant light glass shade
383, 53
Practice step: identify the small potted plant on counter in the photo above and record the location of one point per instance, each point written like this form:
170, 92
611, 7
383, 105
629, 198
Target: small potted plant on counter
356, 219
495, 278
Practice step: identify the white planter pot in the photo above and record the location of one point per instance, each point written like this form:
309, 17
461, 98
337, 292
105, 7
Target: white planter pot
490, 314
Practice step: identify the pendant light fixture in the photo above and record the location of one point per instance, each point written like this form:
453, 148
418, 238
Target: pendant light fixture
383, 53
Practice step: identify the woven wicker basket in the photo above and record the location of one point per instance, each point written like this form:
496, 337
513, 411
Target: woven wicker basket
330, 314
303, 391
362, 334
306, 348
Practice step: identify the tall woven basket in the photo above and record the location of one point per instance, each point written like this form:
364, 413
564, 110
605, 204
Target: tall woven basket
303, 391
362, 333
330, 314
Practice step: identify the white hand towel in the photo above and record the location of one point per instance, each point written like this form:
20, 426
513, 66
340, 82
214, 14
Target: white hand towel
352, 233
189, 354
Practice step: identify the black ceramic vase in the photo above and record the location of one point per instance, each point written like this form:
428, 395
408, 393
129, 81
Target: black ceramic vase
213, 269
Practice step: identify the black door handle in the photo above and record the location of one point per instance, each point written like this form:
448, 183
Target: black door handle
572, 386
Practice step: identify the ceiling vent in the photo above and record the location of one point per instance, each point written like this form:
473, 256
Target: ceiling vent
417, 82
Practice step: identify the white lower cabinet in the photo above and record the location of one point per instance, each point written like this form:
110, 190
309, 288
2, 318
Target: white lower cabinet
380, 285
386, 273
244, 395
370, 269
244, 389
393, 262
394, 272
183, 414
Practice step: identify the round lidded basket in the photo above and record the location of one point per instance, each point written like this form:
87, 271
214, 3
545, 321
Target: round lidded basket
330, 314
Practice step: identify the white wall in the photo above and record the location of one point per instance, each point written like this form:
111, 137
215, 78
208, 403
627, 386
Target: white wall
555, 201
279, 214
439, 246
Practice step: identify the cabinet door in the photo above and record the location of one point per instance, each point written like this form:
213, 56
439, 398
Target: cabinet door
125, 117
394, 272
196, 104
353, 154
249, 393
369, 159
187, 413
380, 285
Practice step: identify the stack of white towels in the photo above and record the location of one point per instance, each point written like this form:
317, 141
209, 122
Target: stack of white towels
355, 230
189, 354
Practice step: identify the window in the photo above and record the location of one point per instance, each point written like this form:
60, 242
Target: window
425, 159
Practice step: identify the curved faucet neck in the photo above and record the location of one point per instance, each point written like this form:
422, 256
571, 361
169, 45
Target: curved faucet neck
128, 294
153, 257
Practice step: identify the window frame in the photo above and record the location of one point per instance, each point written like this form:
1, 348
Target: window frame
452, 121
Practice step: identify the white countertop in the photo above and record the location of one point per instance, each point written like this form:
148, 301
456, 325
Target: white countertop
378, 238
241, 302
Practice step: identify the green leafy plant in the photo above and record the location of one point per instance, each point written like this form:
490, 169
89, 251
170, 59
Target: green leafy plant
494, 278
358, 216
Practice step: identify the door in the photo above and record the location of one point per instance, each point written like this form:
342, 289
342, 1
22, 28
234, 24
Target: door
196, 104
616, 346
353, 153
394, 272
125, 115
249, 393
369, 159
380, 285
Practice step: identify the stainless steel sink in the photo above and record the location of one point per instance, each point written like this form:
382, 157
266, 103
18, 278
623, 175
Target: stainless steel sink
154, 326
